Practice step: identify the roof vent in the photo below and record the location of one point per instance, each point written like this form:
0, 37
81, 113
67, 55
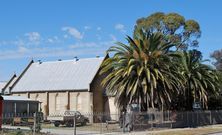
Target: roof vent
76, 58
40, 62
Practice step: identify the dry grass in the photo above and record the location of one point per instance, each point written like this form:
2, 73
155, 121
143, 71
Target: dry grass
189, 131
180, 131
20, 132
89, 127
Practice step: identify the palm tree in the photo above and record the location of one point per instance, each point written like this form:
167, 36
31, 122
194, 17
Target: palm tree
200, 79
142, 72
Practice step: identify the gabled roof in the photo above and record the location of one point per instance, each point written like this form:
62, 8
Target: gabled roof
7, 87
58, 75
2, 85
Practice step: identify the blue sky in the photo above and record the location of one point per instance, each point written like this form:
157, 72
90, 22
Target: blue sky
63, 29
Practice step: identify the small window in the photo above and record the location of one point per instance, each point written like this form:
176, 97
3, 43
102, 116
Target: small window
37, 97
57, 102
79, 102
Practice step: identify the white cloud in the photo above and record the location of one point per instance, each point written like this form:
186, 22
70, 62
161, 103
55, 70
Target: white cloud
98, 28
120, 27
54, 39
22, 50
19, 42
83, 44
33, 36
73, 32
113, 37
2, 43
78, 49
98, 37
87, 27
65, 36
50, 40
90, 45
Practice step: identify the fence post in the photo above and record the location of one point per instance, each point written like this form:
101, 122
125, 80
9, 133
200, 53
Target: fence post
168, 115
188, 125
210, 118
74, 124
133, 121
102, 128
152, 118
101, 121
170, 119
198, 124
124, 123
34, 125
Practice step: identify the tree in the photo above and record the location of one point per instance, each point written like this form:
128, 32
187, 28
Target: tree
175, 28
215, 101
217, 55
142, 72
200, 80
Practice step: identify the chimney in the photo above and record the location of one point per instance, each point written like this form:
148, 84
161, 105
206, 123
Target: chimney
40, 62
76, 58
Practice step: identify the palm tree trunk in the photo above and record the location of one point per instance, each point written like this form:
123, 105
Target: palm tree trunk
189, 97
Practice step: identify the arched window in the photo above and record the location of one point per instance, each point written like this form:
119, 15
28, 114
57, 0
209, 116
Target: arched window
57, 102
79, 102
37, 97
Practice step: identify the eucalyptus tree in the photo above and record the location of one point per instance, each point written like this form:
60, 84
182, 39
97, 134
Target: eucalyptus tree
142, 72
179, 31
217, 56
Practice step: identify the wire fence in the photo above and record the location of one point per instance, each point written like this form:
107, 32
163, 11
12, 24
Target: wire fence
79, 124
28, 122
87, 123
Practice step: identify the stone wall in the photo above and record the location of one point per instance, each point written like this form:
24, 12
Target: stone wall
43, 98
81, 101
98, 94
114, 111
58, 102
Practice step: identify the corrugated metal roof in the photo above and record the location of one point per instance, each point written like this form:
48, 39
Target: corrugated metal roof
59, 75
17, 98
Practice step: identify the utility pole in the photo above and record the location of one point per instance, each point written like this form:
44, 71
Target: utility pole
34, 125
74, 124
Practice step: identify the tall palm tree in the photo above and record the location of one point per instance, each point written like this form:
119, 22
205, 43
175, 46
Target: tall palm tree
200, 79
142, 72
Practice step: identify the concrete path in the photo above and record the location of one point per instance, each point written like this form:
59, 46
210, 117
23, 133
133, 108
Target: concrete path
216, 134
59, 131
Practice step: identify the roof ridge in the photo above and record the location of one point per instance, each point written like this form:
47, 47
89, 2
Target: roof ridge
58, 76
67, 60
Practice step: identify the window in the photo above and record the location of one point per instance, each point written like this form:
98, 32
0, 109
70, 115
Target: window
57, 102
79, 102
37, 97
